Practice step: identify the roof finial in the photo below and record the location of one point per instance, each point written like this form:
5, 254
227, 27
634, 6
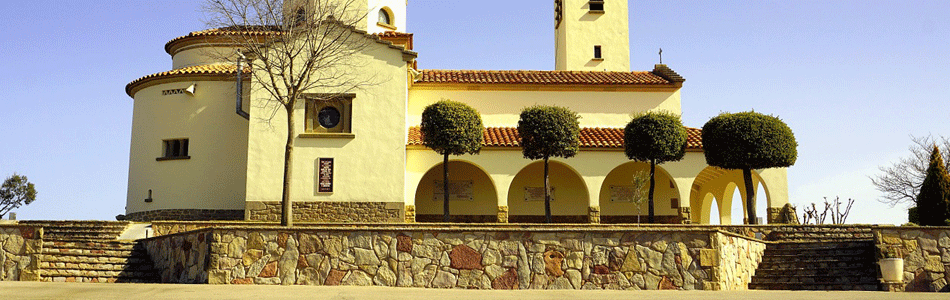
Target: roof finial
661, 55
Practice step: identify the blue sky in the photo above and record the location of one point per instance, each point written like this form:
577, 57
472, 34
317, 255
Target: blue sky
853, 79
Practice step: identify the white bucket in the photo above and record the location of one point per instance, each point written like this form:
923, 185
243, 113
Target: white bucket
892, 269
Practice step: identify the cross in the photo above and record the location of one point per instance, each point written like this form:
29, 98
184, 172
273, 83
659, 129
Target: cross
661, 55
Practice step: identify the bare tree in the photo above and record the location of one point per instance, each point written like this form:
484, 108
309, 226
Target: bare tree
838, 215
294, 48
901, 181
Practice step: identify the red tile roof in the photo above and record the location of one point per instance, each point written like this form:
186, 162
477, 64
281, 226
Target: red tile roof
216, 70
393, 34
541, 77
590, 137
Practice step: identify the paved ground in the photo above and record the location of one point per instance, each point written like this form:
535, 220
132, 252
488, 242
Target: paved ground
42, 290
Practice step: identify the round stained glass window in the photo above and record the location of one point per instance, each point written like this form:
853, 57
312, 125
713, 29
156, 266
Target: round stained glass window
329, 117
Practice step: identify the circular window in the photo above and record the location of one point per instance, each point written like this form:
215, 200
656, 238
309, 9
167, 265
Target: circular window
329, 117
384, 17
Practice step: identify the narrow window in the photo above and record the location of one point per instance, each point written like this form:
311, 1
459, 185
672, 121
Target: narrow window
300, 17
384, 17
174, 149
597, 54
596, 5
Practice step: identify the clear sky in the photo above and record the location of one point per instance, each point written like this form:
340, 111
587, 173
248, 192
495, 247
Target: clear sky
853, 79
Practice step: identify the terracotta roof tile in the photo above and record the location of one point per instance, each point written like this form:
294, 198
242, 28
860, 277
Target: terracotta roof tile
202, 70
541, 77
590, 137
393, 34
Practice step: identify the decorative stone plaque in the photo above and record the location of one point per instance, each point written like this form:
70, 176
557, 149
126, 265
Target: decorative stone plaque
325, 175
621, 193
458, 190
536, 193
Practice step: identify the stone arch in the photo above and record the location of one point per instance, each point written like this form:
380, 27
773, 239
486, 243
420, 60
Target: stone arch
480, 206
571, 198
722, 183
614, 210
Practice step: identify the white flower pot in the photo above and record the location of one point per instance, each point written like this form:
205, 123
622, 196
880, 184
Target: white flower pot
892, 269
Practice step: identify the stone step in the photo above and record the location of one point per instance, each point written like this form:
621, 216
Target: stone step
816, 286
816, 279
796, 259
88, 252
96, 259
820, 245
821, 252
48, 273
121, 279
111, 245
141, 266
858, 270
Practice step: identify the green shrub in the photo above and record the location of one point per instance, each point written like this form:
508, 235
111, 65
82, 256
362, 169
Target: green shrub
933, 201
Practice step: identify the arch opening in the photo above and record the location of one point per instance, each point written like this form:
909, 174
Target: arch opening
618, 192
526, 196
727, 186
472, 195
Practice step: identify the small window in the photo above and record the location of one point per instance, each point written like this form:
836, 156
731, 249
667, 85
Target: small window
597, 53
300, 17
329, 113
384, 17
174, 149
596, 6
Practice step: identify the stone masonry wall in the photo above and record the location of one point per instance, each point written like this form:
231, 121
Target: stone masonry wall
738, 259
926, 253
183, 215
446, 257
181, 257
344, 212
20, 248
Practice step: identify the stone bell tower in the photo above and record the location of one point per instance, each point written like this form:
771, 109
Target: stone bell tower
592, 35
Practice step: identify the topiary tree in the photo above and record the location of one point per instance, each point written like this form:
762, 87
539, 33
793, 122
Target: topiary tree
934, 197
655, 137
746, 141
451, 128
548, 131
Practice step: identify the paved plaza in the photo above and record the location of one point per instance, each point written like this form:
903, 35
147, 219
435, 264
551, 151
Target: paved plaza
43, 290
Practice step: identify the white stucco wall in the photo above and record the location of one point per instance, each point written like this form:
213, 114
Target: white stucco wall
214, 176
501, 108
368, 167
580, 30
198, 55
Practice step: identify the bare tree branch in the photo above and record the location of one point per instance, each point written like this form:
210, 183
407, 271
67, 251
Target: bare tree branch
294, 48
900, 182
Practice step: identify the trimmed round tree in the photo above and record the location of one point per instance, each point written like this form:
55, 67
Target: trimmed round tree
746, 141
654, 137
934, 197
548, 131
451, 128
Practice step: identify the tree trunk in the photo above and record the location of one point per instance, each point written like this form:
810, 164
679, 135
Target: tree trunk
286, 206
445, 187
547, 194
749, 195
652, 186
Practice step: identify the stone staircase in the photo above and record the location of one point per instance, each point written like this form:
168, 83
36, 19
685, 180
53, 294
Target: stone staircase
821, 258
89, 251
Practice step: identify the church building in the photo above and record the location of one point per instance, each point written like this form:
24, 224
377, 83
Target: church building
206, 142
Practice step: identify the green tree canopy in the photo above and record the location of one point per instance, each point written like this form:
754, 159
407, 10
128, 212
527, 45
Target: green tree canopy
549, 131
748, 140
655, 137
452, 128
14, 192
933, 201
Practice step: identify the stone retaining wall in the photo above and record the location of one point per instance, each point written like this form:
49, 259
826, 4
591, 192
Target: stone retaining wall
181, 257
926, 253
527, 257
738, 259
183, 215
20, 251
321, 211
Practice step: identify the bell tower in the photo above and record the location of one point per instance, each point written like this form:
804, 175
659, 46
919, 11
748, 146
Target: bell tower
373, 16
591, 35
